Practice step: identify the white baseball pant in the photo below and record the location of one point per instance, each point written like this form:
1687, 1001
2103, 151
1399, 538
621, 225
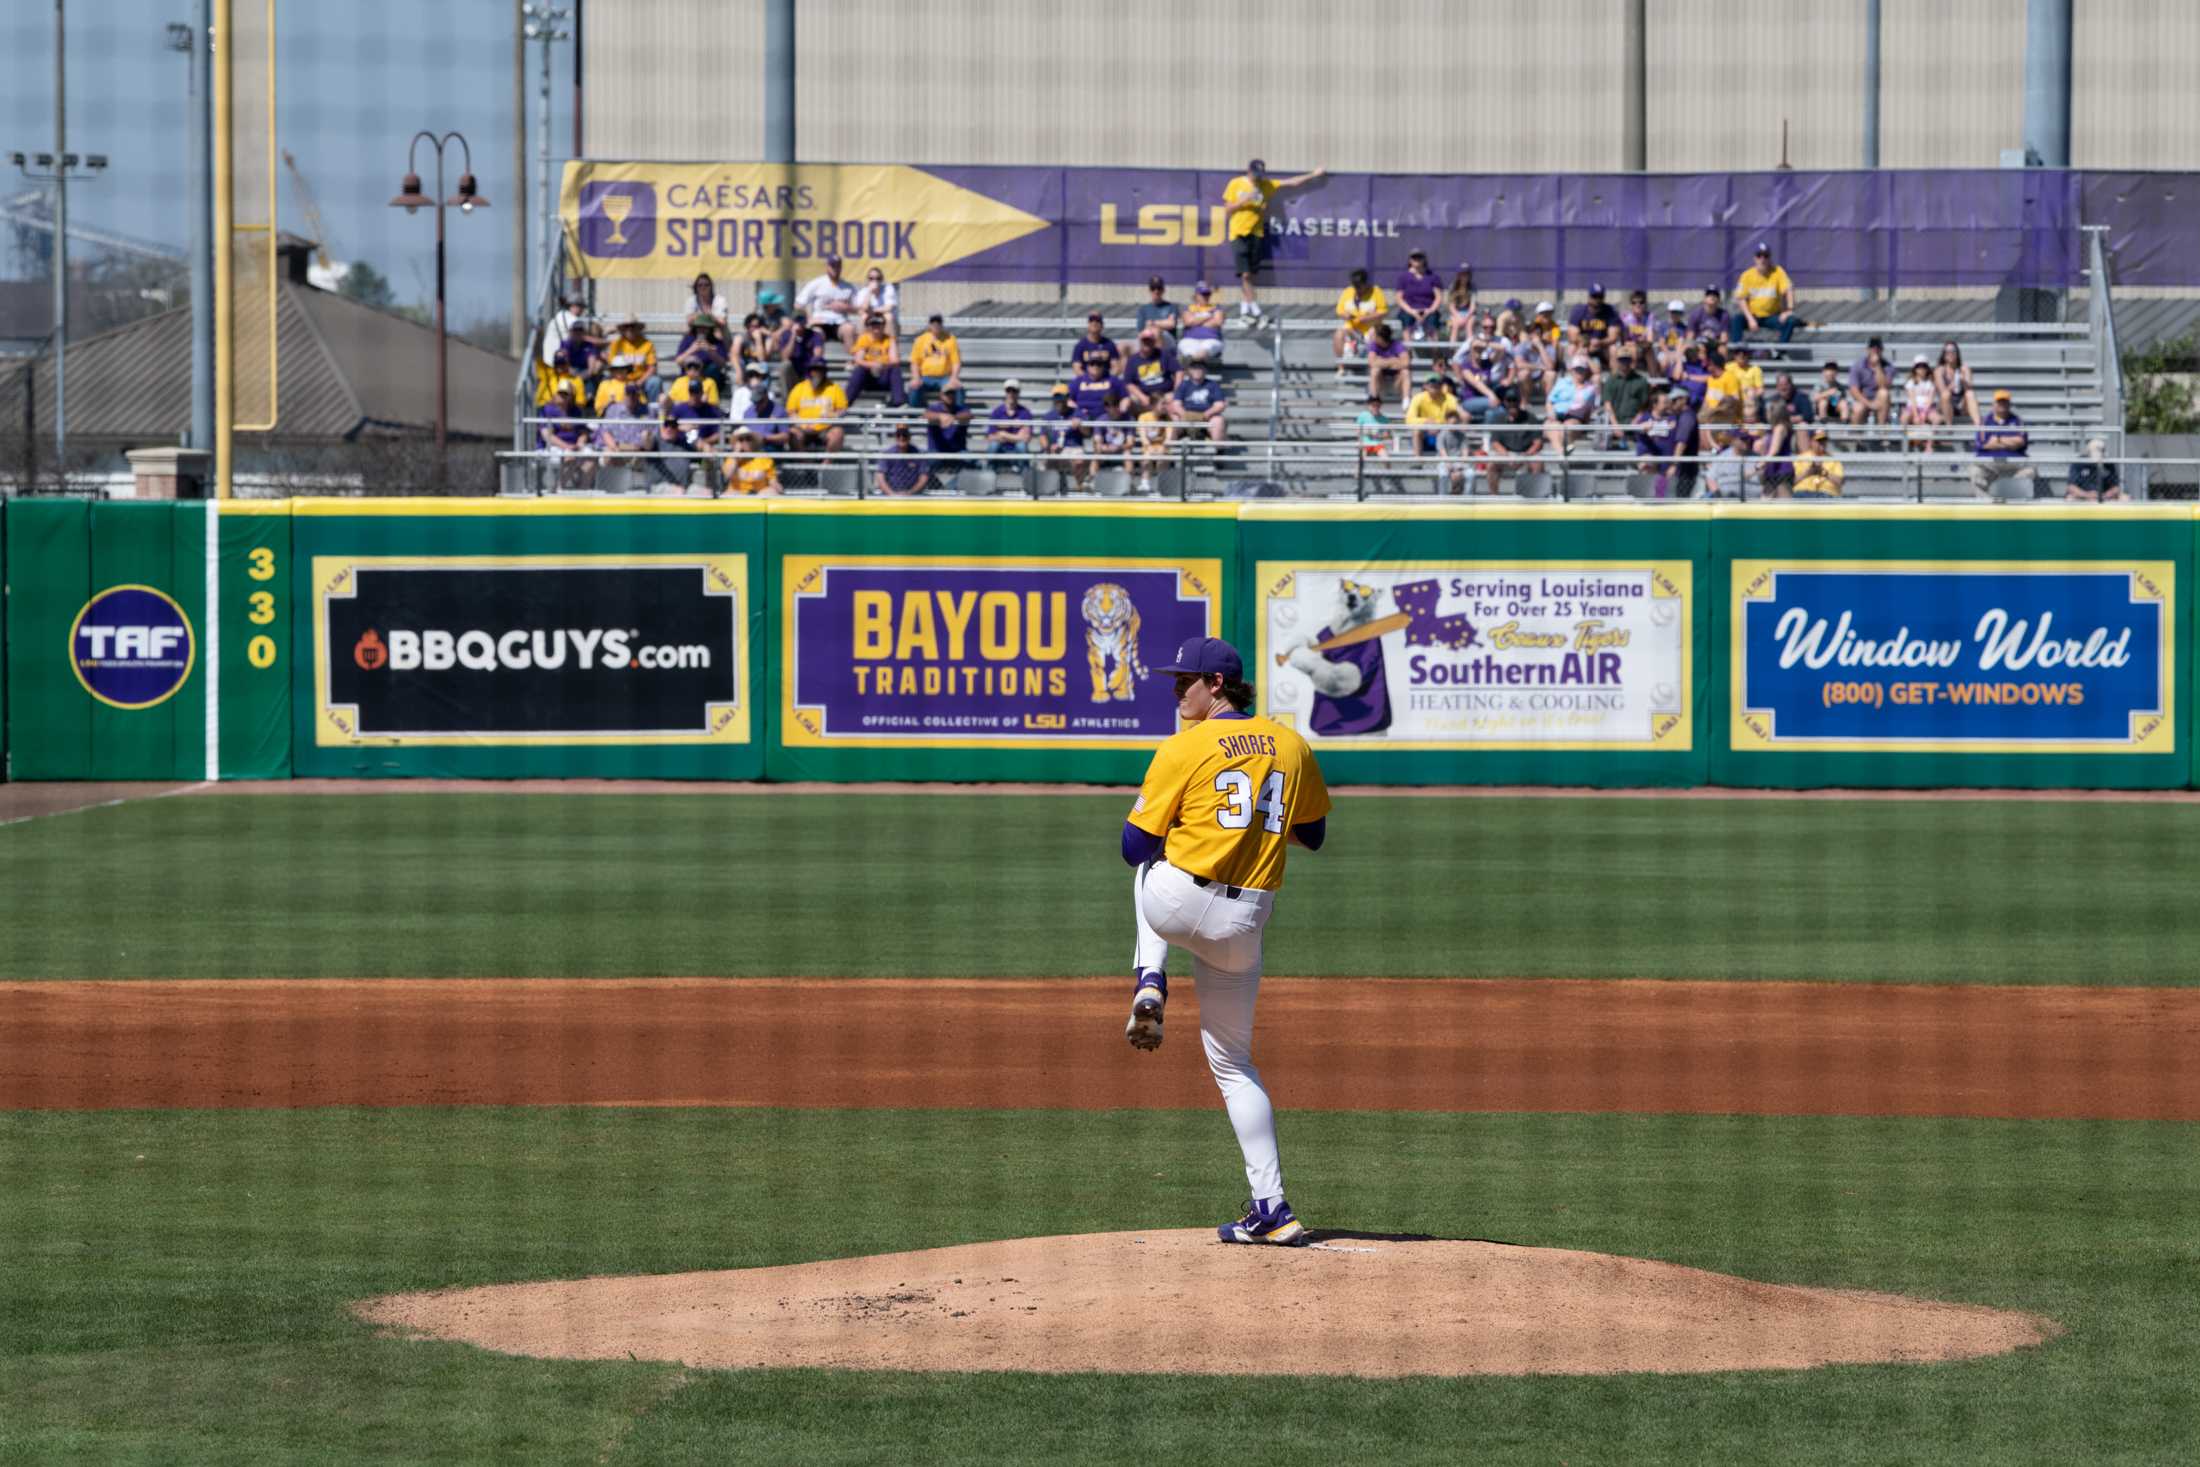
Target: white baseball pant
1222, 933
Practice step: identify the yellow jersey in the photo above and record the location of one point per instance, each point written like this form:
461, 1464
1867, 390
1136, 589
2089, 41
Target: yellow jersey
758, 475
1427, 407
1224, 794
810, 404
1361, 315
935, 356
548, 383
872, 350
1247, 200
1760, 291
678, 391
632, 360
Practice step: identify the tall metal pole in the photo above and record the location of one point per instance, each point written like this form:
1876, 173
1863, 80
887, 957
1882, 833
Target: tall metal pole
2047, 82
1871, 83
519, 177
198, 126
442, 341
1634, 91
225, 262
60, 244
779, 99
549, 202
578, 7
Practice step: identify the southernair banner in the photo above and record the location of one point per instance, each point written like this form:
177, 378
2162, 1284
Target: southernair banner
1978, 657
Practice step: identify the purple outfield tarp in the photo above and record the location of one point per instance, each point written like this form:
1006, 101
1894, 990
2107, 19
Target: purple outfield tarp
1910, 230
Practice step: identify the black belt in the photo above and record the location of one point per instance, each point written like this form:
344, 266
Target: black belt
1232, 892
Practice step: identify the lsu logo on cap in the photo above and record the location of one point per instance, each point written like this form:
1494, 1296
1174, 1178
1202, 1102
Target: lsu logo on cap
131, 647
618, 220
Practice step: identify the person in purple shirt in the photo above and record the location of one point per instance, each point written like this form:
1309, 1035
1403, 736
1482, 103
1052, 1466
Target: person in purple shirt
1594, 326
706, 342
1094, 345
1871, 385
1153, 367
1709, 321
901, 469
799, 344
1418, 292
1199, 399
1388, 359
1095, 390
1696, 374
1665, 436
1009, 426
2000, 449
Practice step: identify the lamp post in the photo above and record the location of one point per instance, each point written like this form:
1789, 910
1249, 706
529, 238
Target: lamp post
412, 201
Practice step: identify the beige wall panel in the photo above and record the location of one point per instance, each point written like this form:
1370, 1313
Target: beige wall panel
1951, 82
2135, 84
1717, 91
673, 79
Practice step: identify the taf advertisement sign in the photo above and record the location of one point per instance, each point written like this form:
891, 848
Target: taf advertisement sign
1587, 655
1933, 657
132, 647
531, 649
947, 652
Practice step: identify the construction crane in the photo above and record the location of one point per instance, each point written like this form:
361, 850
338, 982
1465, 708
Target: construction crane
332, 274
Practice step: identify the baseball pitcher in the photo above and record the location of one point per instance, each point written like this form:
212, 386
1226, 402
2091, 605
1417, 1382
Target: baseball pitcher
1222, 799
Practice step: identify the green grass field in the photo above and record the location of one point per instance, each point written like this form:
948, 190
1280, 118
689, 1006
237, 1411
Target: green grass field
177, 1283
989, 885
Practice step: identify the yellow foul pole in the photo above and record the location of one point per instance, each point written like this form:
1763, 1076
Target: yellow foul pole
225, 284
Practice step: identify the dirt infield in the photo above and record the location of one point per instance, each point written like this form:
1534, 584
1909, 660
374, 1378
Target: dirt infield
1138, 1303
1388, 1044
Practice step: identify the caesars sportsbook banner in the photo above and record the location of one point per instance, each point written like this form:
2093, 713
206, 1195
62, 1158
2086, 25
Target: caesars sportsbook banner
530, 650
948, 652
1954, 657
1478, 655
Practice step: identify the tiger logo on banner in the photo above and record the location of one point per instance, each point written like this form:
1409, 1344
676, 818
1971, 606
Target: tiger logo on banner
1111, 633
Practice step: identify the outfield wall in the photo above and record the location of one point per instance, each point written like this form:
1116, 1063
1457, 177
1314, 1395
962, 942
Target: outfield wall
1599, 645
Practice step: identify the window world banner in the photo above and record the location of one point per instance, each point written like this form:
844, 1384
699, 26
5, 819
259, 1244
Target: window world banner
1521, 232
947, 652
1937, 657
1478, 655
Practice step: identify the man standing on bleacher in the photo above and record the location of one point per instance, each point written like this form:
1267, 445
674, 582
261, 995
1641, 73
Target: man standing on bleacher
1247, 197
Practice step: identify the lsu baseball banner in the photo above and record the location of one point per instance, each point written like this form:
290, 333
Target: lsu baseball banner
1979, 657
1478, 654
530, 649
963, 652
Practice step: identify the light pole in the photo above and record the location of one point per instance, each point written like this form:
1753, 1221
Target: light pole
546, 24
412, 201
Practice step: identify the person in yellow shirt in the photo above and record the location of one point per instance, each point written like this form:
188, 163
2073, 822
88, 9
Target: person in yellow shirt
1737, 378
1767, 300
750, 471
816, 404
1359, 306
632, 356
691, 384
560, 375
936, 358
1817, 476
1247, 198
1431, 416
1224, 797
875, 361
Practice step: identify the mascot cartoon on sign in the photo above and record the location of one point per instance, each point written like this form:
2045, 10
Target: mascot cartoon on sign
1111, 635
1344, 661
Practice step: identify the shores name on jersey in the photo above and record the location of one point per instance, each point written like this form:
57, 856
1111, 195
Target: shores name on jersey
1225, 795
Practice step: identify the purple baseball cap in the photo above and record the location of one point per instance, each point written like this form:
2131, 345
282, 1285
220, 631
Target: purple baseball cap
1203, 656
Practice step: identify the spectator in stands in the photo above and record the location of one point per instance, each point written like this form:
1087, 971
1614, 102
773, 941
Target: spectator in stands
1388, 361
1158, 313
1708, 322
1096, 344
1420, 294
2093, 479
1625, 391
692, 383
900, 470
1734, 377
878, 297
706, 342
1829, 398
704, 299
1459, 303
689, 431
627, 431
750, 470
763, 415
1199, 402
1544, 325
2001, 448
737, 402
1247, 198
1871, 385
1360, 306
875, 361
753, 346
1573, 403
1725, 453
1059, 434
1673, 337
1201, 338
565, 438
1696, 373
1478, 378
1432, 417
1638, 324
1513, 444
800, 345
632, 356
1374, 429
830, 300
1009, 427
1665, 438
817, 406
584, 348
1095, 388
561, 374
1788, 395
1593, 327
947, 434
1153, 367
1953, 379
1818, 475
1920, 404
1765, 298
1773, 446
936, 359
1531, 357
563, 325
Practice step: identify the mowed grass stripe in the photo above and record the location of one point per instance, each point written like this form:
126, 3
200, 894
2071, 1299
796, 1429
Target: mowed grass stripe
174, 1285
486, 885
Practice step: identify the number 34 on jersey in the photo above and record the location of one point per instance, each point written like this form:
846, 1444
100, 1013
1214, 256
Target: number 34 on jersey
1225, 793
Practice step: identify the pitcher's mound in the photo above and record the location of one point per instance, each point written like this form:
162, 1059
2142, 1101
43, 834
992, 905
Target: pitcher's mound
1181, 1302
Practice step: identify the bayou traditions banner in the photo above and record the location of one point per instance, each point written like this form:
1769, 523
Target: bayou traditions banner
963, 652
1954, 656
1478, 655
523, 649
